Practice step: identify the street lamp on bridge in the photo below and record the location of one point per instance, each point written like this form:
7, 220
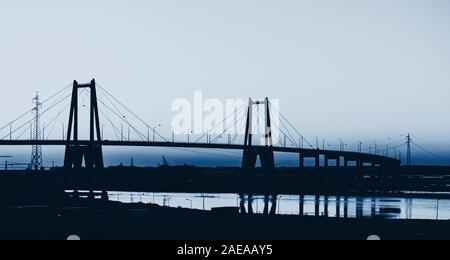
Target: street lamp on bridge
190, 202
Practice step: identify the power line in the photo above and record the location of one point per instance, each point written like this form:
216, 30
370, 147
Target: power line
31, 110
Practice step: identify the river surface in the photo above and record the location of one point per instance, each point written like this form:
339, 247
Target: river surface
352, 207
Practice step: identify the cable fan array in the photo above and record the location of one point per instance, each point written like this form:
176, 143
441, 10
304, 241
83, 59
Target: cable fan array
122, 124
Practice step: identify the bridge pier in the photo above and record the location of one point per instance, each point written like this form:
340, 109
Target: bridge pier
242, 203
317, 161
273, 209
326, 161
301, 205
266, 205
250, 204
345, 207
338, 161
346, 161
91, 195
359, 163
373, 208
338, 206
359, 207
316, 158
302, 161
317, 206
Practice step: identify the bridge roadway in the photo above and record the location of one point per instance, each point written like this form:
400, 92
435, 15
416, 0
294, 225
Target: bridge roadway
358, 158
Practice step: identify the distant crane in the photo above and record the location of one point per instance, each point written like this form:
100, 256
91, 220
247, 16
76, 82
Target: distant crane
165, 163
6, 162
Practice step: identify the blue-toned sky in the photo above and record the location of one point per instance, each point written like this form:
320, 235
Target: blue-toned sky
351, 69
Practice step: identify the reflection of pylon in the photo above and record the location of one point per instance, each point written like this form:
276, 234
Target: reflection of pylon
36, 151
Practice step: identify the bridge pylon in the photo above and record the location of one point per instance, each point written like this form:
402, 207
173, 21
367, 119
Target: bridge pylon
251, 153
92, 153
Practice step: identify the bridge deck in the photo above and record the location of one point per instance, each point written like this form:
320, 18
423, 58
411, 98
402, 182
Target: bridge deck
313, 153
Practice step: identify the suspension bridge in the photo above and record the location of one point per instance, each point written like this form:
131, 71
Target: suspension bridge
104, 109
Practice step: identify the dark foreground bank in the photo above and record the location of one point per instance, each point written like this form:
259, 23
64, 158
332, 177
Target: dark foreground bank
116, 221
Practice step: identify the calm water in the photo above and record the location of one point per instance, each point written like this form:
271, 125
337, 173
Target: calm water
392, 208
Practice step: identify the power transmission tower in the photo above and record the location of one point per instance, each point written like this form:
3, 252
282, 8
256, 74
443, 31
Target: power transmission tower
408, 152
36, 151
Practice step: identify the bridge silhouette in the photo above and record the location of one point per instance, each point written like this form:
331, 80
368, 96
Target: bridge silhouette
90, 151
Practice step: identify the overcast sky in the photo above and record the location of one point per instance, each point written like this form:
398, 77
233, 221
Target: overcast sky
355, 69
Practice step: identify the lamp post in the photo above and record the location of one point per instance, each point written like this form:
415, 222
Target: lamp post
62, 127
279, 204
203, 202
437, 210
153, 132
190, 202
